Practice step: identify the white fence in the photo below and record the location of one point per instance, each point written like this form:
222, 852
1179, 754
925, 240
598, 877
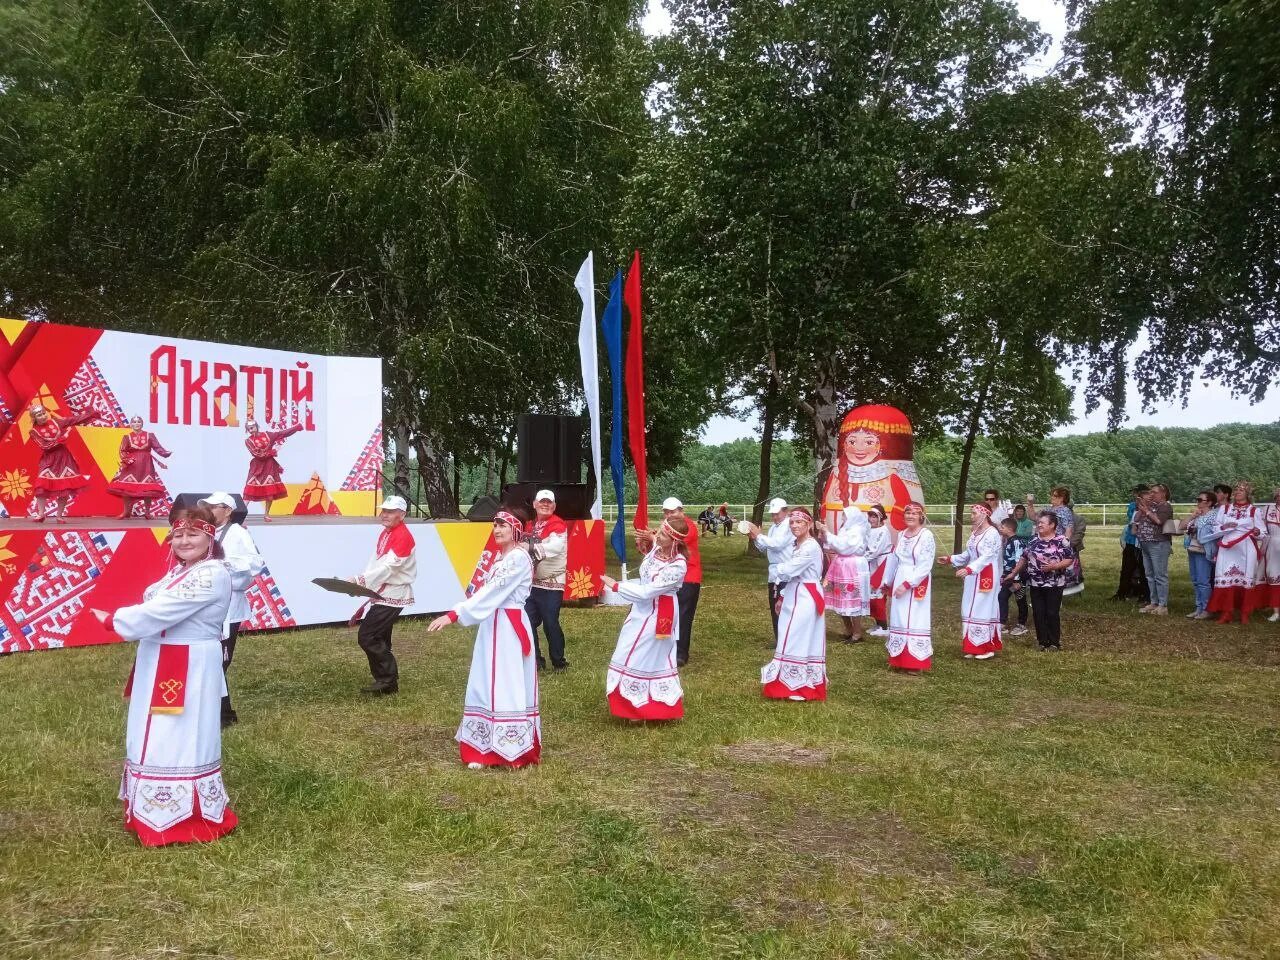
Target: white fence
1095, 514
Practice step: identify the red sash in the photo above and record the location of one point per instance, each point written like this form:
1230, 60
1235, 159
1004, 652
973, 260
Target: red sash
169, 694
517, 624
817, 597
666, 616
922, 588
987, 578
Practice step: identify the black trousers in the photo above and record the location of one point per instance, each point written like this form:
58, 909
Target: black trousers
1133, 576
1046, 608
228, 654
375, 640
775, 591
543, 609
688, 597
1005, 594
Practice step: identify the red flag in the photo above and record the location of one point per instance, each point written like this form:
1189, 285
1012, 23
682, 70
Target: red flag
635, 392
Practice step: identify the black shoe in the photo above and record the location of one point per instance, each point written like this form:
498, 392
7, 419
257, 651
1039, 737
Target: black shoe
229, 719
542, 664
381, 690
681, 661
562, 665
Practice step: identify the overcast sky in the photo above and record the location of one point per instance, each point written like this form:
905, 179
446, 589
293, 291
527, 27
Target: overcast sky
1208, 403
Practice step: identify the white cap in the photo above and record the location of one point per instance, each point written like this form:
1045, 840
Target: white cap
394, 503
545, 495
219, 499
776, 504
671, 503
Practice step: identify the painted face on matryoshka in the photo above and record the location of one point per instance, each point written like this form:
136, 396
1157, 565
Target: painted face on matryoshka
861, 447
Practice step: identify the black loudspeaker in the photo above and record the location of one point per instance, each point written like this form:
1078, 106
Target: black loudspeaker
483, 509
185, 501
549, 449
573, 500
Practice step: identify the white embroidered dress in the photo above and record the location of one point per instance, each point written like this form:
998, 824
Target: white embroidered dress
172, 785
848, 590
643, 683
910, 642
798, 670
1235, 571
1270, 579
980, 602
501, 725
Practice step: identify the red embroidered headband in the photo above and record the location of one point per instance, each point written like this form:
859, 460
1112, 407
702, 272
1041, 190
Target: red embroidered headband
510, 519
983, 507
194, 523
803, 512
671, 532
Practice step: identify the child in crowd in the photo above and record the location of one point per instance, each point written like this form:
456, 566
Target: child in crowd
1026, 526
1011, 586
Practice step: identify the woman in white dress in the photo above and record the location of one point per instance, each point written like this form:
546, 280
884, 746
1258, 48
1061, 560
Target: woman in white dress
847, 584
643, 683
879, 547
798, 670
908, 578
980, 566
1235, 570
172, 785
501, 726
1270, 585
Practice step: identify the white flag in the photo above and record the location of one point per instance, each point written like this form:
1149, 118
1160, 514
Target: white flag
586, 286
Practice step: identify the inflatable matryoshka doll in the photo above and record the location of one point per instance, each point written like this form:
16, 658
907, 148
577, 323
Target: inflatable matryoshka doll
874, 464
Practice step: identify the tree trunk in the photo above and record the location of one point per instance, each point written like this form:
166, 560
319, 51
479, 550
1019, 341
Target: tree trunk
401, 479
966, 455
457, 481
826, 430
766, 453
489, 473
433, 473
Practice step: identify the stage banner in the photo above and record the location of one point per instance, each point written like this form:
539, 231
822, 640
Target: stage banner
195, 398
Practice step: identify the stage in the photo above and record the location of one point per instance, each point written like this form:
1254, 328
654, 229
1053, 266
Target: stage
52, 574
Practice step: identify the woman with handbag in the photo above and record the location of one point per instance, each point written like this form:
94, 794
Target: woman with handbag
1154, 526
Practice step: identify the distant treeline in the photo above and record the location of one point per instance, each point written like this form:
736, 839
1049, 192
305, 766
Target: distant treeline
1097, 467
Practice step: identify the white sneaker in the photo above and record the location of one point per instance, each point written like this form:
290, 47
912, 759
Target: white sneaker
1017, 631
1274, 617
473, 765
984, 656
795, 696
1193, 614
877, 632
968, 656
1160, 611
1147, 608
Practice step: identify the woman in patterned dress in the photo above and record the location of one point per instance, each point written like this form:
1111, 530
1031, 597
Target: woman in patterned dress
501, 725
264, 482
798, 670
643, 682
1235, 571
847, 584
172, 786
1270, 584
137, 478
908, 578
1047, 560
979, 565
57, 474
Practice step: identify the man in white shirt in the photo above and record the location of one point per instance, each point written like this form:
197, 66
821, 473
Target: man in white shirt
776, 545
245, 563
390, 573
999, 508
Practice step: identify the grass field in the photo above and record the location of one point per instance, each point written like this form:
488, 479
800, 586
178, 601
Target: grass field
1117, 800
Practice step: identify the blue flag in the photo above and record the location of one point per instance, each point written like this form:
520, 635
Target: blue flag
611, 323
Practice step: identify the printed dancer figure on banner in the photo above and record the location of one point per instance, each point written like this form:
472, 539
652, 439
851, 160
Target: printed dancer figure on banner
137, 478
264, 483
57, 474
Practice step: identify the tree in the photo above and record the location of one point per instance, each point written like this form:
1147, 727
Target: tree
811, 156
366, 176
1203, 78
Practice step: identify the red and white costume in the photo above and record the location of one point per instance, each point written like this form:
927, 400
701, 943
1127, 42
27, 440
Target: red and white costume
57, 473
883, 473
643, 683
980, 602
264, 481
172, 785
910, 642
1269, 586
1235, 571
798, 669
879, 548
393, 568
138, 479
501, 725
847, 589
